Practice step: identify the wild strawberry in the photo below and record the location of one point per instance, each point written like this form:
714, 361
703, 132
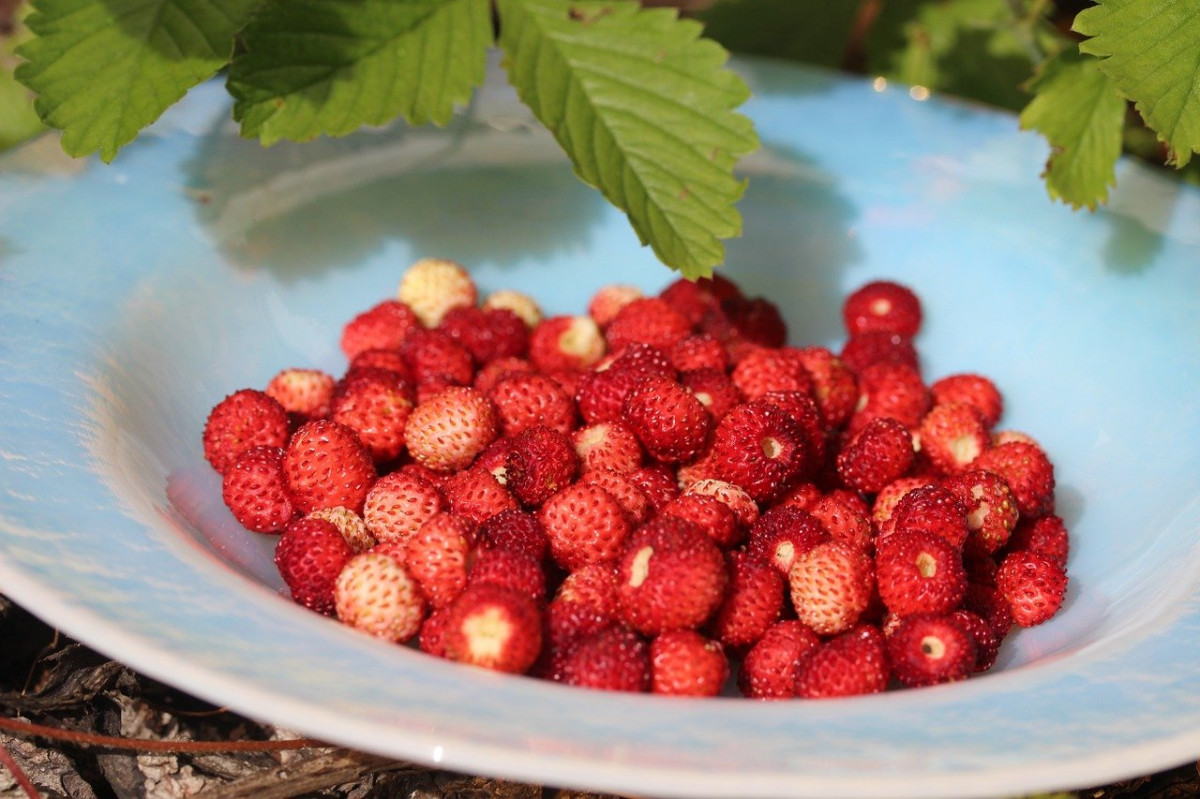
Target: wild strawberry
807, 416
1033, 585
608, 301
398, 504
447, 431
702, 467
1046, 535
524, 306
756, 319
594, 585
987, 602
437, 555
843, 521
570, 343
970, 389
668, 420
852, 664
714, 389
1010, 436
602, 390
919, 572
243, 420
476, 494
494, 627
434, 358
709, 514
758, 447
487, 333
685, 663
671, 577
657, 483
878, 454
540, 463
952, 435
882, 306
584, 525
801, 495
699, 351
632, 499
753, 601
767, 369
614, 659
564, 625
376, 406
893, 391
432, 638
991, 507
1028, 472
867, 349
607, 445
769, 668
741, 503
932, 509
391, 360
374, 593
350, 525
310, 555
831, 586
494, 459
255, 490
382, 327
304, 393
695, 299
648, 320
525, 400
888, 496
834, 386
432, 286
782, 534
928, 650
490, 374
509, 568
516, 530
326, 466
987, 643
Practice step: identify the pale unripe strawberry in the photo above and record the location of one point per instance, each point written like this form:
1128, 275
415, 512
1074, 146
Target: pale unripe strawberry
349, 524
374, 593
608, 301
447, 431
303, 393
398, 504
831, 586
524, 306
432, 286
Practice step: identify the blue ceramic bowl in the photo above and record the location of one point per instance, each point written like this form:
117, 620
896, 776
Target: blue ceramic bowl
134, 296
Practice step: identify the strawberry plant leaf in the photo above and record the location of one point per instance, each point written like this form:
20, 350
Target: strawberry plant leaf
18, 120
1148, 48
105, 70
328, 67
1080, 112
645, 109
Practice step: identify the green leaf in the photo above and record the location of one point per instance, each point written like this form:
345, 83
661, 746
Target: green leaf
328, 67
810, 31
18, 120
1150, 49
103, 70
1080, 112
644, 108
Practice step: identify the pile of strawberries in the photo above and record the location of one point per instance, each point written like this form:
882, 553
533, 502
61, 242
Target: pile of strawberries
652, 495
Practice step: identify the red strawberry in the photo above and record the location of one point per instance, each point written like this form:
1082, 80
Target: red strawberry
927, 650
1046, 535
632, 499
490, 374
975, 390
852, 664
758, 447
476, 494
753, 601
1028, 472
987, 643
432, 637
614, 659
766, 369
952, 435
243, 420
524, 306
784, 533
494, 627
304, 393
801, 495
432, 286
648, 320
447, 431
807, 416
310, 555
374, 593
525, 400
991, 507
434, 358
607, 445
349, 524
844, 521
831, 586
868, 349
882, 306
255, 490
696, 298
391, 360
566, 343
566, 624
919, 572
834, 386
709, 514
987, 602
437, 557
383, 327
584, 525
376, 405
398, 504
595, 586
487, 333
878, 454
607, 302
657, 482
670, 422
891, 494
685, 663
769, 668
742, 504
699, 351
540, 463
602, 391
1033, 585
326, 466
756, 319
516, 530
713, 388
932, 509
893, 391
